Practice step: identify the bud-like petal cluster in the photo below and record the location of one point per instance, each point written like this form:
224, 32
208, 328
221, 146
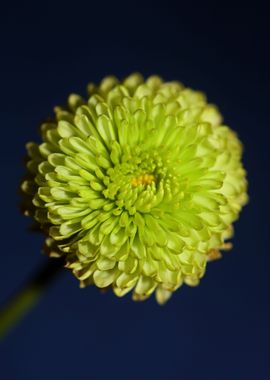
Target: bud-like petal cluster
137, 186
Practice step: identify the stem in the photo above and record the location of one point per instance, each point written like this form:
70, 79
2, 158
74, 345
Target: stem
25, 299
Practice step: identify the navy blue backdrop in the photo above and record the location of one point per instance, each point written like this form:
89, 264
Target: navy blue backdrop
219, 330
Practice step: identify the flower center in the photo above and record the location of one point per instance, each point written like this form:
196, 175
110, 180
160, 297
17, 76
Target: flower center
145, 179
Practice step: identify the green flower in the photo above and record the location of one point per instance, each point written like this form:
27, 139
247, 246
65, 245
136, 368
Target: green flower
137, 186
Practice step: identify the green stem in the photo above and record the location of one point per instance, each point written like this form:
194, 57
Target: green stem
25, 299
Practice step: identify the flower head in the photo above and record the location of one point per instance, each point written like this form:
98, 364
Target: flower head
137, 186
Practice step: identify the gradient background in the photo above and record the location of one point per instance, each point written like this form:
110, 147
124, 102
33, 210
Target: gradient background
220, 330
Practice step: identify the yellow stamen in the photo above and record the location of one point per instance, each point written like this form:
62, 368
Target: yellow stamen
145, 179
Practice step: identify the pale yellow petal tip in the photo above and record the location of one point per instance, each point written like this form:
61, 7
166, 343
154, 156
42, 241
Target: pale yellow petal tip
212, 115
162, 295
55, 254
119, 292
74, 101
133, 79
82, 285
154, 81
192, 280
139, 297
214, 254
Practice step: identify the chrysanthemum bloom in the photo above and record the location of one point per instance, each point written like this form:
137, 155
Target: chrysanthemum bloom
137, 186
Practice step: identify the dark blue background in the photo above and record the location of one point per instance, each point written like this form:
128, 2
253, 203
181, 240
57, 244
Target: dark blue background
220, 330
